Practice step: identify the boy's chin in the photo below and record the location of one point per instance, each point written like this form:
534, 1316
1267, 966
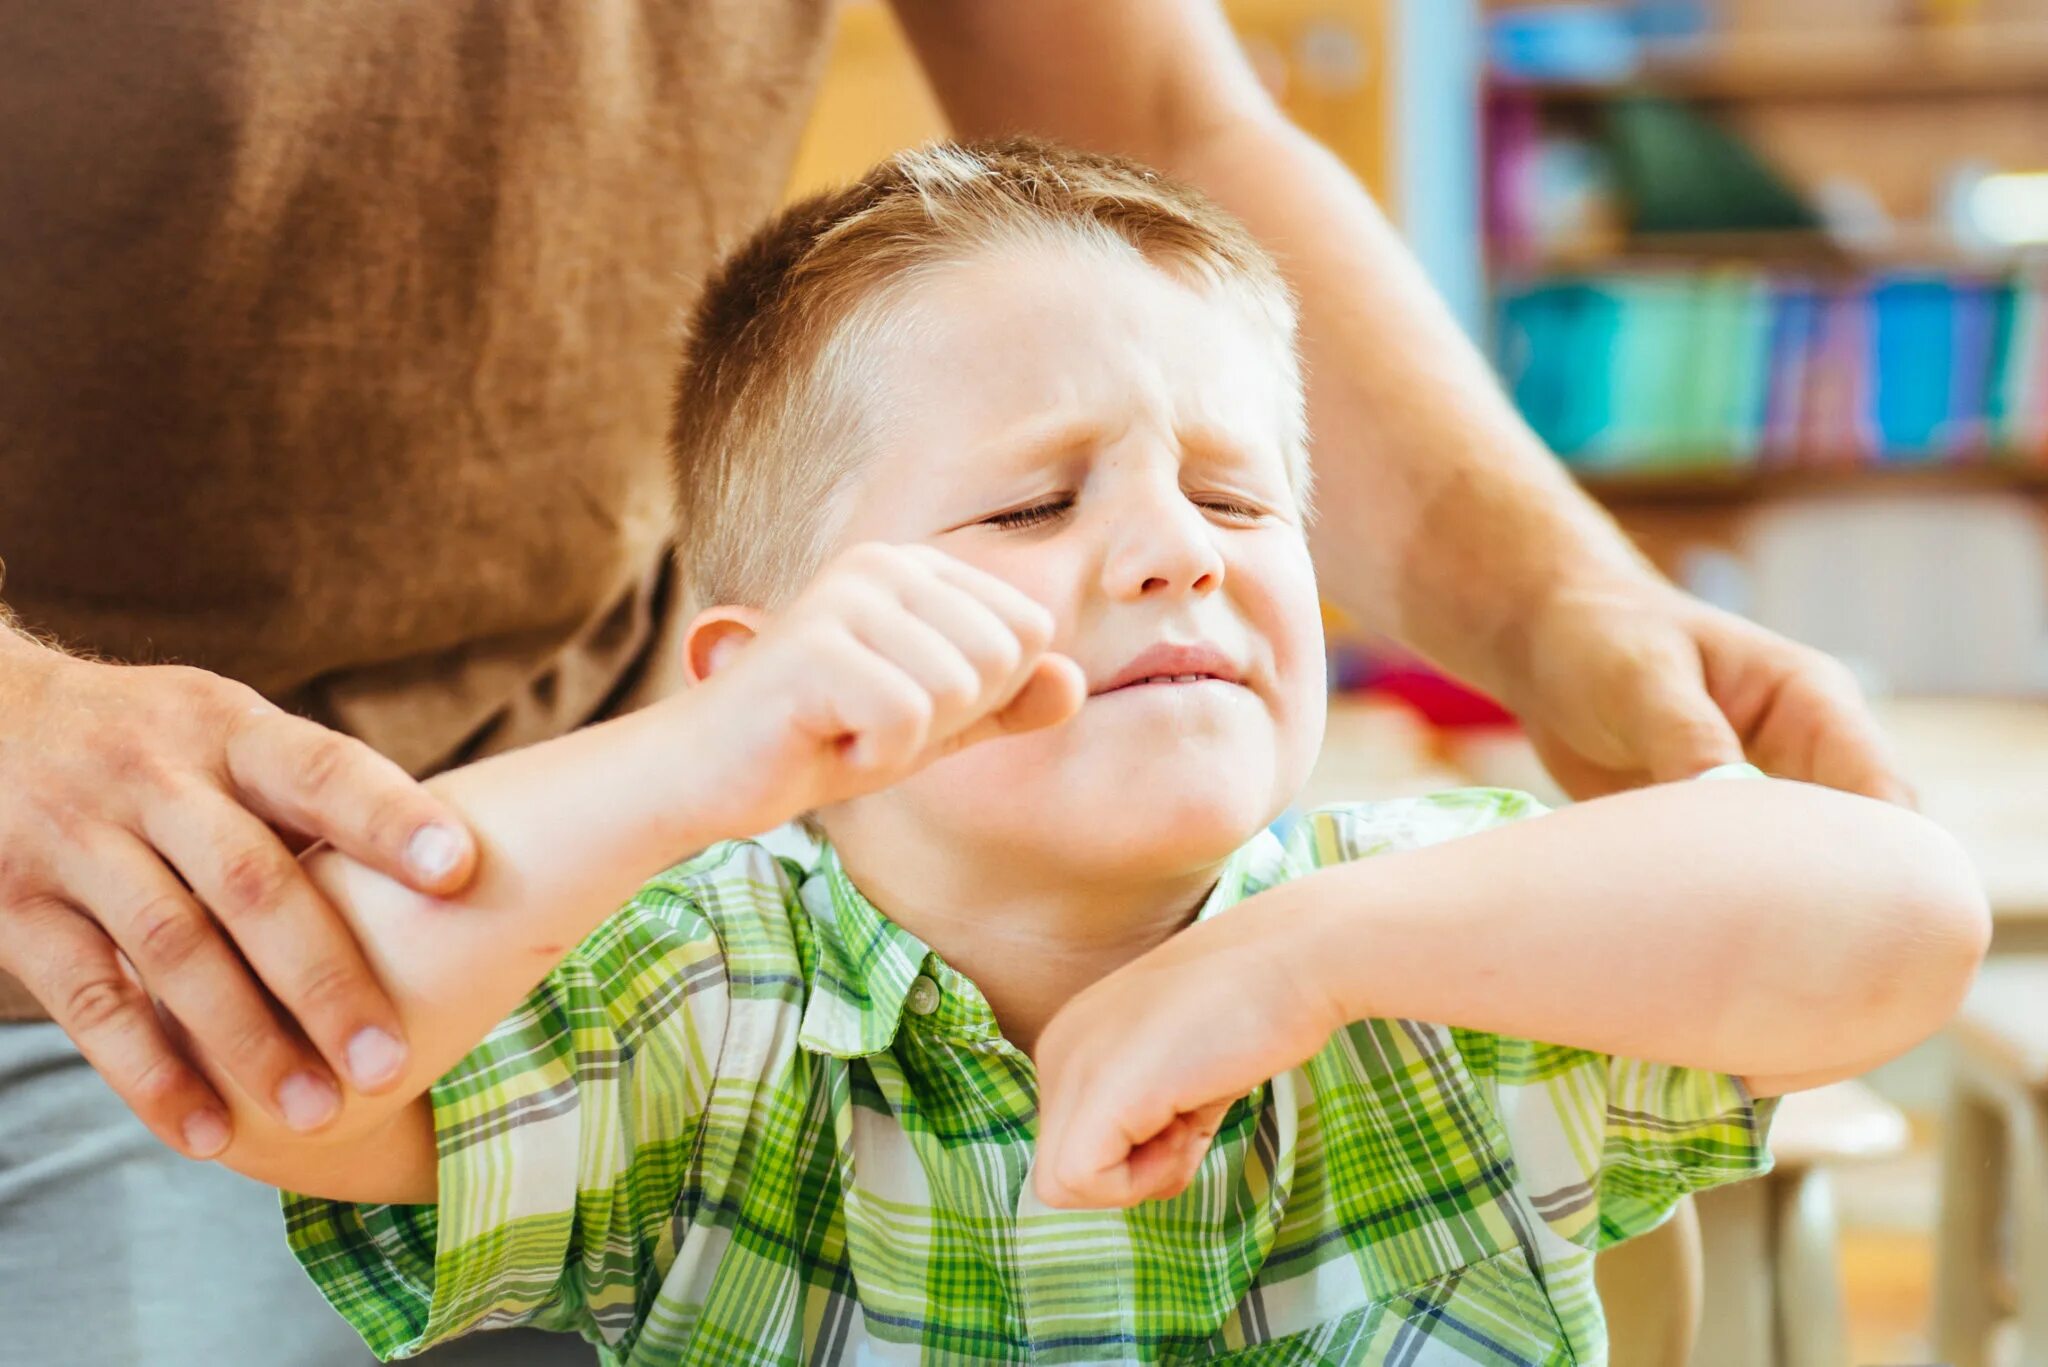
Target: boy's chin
1139, 829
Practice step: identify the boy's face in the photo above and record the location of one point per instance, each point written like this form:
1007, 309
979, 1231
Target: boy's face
1108, 440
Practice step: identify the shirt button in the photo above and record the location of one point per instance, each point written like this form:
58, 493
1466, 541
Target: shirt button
924, 996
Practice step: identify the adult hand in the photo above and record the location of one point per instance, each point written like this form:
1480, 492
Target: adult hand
1633, 681
148, 816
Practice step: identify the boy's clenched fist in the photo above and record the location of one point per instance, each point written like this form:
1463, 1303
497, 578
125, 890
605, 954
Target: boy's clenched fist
894, 656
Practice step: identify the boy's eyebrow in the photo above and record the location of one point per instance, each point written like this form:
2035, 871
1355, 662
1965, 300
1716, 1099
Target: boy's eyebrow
1039, 441
1208, 445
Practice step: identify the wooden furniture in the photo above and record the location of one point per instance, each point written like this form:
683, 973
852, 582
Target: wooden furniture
1773, 1289
1980, 766
1993, 1261
1651, 1289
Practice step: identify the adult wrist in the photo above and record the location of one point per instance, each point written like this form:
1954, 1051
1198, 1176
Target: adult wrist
1493, 551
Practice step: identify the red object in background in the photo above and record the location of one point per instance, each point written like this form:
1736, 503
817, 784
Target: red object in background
1443, 702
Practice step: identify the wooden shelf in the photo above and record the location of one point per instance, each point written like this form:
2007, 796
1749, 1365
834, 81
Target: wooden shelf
1909, 248
1719, 483
2008, 59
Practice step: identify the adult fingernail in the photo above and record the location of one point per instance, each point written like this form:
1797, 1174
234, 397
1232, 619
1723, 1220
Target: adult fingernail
374, 1057
206, 1133
433, 852
308, 1102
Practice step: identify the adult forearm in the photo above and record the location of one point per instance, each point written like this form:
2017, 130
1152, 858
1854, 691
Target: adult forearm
1769, 930
1444, 519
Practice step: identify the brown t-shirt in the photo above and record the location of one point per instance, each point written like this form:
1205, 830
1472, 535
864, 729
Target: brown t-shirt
336, 340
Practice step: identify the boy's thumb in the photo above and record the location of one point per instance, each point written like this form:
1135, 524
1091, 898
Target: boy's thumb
1053, 692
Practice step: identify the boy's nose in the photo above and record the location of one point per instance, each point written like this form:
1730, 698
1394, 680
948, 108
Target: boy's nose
1162, 550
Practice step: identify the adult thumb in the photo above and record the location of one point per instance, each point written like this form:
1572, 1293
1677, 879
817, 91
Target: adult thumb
1677, 731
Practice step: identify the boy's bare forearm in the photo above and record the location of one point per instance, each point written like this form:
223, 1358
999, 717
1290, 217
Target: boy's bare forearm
1780, 932
566, 832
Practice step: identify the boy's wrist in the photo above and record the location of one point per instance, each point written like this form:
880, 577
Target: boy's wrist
1331, 937
709, 771
1306, 934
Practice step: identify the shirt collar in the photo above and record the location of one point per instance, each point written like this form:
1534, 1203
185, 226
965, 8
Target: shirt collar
866, 963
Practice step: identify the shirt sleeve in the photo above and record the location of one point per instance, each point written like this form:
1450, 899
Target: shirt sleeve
1606, 1146
564, 1139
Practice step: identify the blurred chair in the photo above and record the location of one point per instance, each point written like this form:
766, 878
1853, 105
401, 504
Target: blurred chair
1754, 1279
1994, 1198
1650, 1289
1931, 594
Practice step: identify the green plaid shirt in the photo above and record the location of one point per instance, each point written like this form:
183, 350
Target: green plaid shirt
750, 1120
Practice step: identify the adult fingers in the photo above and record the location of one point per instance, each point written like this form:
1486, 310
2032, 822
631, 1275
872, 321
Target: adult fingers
297, 774
1816, 726
1670, 722
182, 958
297, 943
72, 968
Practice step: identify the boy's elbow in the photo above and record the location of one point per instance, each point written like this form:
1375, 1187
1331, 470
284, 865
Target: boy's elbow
1943, 920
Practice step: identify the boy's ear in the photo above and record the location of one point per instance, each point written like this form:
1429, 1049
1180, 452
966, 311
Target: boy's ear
716, 636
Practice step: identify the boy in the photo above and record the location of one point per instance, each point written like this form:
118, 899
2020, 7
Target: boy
964, 1083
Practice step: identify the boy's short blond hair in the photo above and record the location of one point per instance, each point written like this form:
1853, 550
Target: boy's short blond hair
769, 422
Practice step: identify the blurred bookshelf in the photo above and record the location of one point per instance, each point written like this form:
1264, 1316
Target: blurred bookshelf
1890, 61
1740, 250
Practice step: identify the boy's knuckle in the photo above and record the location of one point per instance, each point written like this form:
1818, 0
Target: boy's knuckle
1000, 655
1034, 628
960, 686
914, 710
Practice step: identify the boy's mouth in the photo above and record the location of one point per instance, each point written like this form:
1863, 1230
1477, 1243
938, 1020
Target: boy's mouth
1167, 664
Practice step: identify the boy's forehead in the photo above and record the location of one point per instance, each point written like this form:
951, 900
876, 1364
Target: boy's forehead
1013, 363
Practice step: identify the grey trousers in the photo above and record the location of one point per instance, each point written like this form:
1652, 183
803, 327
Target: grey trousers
116, 1252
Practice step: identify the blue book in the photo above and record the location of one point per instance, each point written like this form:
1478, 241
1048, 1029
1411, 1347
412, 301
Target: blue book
1912, 347
1973, 367
1795, 336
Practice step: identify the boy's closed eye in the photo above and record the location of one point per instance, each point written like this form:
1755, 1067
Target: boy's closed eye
1048, 510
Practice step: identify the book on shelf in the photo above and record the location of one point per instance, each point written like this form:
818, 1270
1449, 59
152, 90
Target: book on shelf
1738, 366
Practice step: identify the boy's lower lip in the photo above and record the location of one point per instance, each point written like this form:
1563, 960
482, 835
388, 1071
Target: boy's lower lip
1179, 681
